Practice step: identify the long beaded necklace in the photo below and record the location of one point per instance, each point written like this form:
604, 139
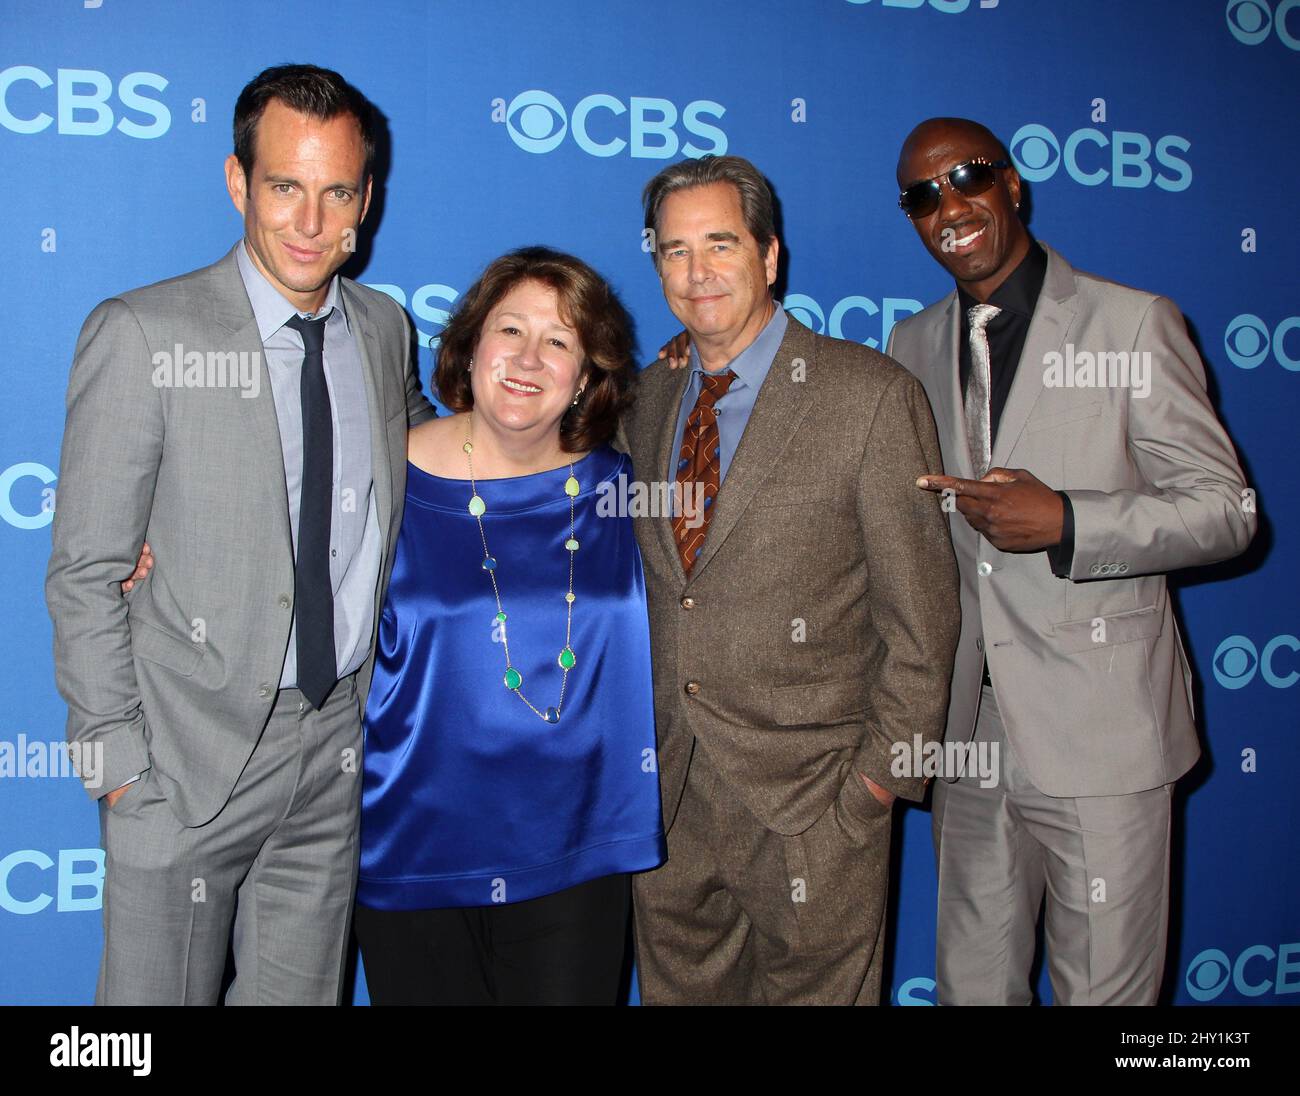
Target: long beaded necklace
513, 679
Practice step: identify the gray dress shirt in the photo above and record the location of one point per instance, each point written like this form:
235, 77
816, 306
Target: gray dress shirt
355, 548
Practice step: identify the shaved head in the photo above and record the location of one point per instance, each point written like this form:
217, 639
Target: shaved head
939, 134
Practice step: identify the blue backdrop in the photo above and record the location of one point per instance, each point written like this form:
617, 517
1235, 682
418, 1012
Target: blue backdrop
1158, 139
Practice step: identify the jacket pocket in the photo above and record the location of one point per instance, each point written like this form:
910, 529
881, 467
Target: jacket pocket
821, 703
1073, 636
153, 644
1060, 418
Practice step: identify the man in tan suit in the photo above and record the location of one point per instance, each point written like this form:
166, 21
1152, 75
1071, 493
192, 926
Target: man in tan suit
1086, 461
803, 614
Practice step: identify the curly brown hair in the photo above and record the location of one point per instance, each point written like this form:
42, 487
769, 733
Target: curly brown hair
587, 303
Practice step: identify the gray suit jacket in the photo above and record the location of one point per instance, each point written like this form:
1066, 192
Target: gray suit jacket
817, 627
181, 674
1090, 675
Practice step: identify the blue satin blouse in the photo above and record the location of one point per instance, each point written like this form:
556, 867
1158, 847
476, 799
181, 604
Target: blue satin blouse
469, 798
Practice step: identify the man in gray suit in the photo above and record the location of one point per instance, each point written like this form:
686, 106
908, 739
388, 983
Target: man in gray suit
250, 420
802, 616
1085, 461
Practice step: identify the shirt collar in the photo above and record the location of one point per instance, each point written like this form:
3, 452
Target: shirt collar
271, 308
752, 363
1019, 293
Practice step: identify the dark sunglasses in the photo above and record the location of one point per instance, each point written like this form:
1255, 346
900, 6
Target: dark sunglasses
968, 179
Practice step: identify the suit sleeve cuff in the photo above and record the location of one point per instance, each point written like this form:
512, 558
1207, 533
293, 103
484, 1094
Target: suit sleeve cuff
1061, 556
875, 760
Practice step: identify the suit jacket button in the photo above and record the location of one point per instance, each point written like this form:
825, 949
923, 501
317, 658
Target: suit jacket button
284, 601
692, 687
984, 569
1095, 569
688, 603
1123, 567
264, 692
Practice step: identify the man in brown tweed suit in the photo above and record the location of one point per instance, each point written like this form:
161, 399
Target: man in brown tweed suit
803, 618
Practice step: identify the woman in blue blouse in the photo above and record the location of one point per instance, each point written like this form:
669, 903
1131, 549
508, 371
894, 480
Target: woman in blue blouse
510, 780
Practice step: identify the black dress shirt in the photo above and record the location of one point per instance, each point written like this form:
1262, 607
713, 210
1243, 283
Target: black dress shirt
1017, 297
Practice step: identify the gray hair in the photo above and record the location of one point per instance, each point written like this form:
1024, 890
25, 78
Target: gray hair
755, 194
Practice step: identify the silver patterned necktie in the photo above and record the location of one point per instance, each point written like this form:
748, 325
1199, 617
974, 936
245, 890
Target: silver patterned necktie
979, 430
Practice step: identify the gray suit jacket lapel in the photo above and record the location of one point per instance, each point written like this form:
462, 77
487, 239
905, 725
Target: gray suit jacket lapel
949, 410
232, 311
381, 461
1048, 328
665, 460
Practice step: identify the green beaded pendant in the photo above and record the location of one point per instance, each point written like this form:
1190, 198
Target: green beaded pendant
571, 486
567, 658
571, 544
501, 617
568, 598
477, 506
513, 679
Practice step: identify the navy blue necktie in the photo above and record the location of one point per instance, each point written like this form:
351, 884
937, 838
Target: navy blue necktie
313, 590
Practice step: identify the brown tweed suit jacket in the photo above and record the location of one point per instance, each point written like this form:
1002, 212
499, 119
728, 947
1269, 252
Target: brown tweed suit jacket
819, 623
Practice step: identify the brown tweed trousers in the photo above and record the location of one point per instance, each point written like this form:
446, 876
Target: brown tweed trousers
816, 631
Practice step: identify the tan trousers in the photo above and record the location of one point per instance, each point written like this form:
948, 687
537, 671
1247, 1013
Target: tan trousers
742, 915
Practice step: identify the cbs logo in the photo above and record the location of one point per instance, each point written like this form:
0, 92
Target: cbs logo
1209, 973
809, 313
1038, 155
1236, 662
916, 991
78, 869
81, 102
1248, 341
538, 123
1251, 20
948, 7
33, 514
431, 303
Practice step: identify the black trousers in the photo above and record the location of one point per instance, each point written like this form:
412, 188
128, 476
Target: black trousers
566, 948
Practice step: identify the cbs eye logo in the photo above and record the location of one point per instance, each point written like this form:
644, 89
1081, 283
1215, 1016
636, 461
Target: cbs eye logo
536, 121
1248, 340
1236, 662
809, 312
602, 125
1208, 975
1038, 155
1257, 970
1251, 20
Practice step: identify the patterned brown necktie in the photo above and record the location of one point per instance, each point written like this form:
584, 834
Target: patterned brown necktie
698, 464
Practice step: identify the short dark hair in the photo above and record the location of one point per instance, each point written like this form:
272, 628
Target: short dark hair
587, 303
756, 202
317, 92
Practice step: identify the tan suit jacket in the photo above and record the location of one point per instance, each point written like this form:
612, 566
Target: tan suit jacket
818, 625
